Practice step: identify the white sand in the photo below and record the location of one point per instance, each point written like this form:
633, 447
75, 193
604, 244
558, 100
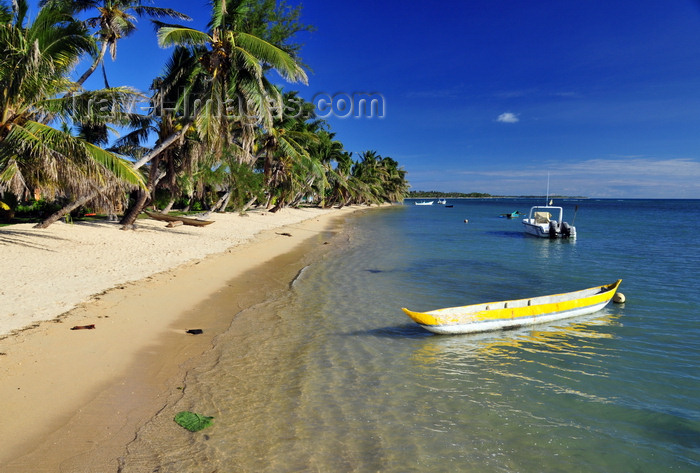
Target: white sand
48, 272
81, 395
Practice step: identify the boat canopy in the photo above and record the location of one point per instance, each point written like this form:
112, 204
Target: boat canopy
542, 217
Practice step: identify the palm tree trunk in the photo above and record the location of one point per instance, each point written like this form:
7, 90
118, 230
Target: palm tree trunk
93, 67
56, 216
154, 153
300, 195
248, 204
221, 204
168, 207
164, 145
143, 198
297, 200
225, 203
129, 218
189, 203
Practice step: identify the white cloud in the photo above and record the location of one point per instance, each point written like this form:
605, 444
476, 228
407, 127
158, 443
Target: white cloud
508, 117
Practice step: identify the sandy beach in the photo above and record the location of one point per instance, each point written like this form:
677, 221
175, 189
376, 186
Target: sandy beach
74, 398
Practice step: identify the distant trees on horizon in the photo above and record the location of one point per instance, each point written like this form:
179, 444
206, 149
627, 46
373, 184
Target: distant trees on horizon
456, 195
438, 194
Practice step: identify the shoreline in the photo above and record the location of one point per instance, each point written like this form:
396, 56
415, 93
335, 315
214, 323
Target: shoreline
52, 271
78, 396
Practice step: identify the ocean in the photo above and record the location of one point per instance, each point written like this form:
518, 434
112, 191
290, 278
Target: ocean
331, 376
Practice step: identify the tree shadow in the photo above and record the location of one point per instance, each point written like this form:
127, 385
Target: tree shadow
25, 238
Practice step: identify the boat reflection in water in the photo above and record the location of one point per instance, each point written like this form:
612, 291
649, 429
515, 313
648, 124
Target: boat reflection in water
542, 338
553, 358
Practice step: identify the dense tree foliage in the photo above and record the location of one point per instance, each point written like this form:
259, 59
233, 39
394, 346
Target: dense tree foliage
444, 195
227, 139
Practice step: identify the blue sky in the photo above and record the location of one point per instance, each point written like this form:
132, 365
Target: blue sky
491, 95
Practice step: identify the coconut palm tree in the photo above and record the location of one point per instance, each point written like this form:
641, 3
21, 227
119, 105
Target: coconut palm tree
233, 62
115, 20
378, 179
35, 60
180, 155
331, 151
395, 185
225, 95
284, 153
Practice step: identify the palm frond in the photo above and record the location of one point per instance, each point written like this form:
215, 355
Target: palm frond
218, 14
172, 35
120, 167
266, 52
158, 12
115, 105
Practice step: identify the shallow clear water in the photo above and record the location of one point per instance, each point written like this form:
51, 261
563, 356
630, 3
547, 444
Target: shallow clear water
332, 377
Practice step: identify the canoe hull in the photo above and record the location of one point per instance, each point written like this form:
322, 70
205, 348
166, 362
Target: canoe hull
513, 314
172, 218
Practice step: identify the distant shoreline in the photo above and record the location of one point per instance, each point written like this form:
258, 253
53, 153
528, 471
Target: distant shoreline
453, 196
542, 197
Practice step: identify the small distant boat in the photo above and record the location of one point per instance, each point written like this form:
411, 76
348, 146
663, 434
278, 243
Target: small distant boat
177, 218
515, 214
547, 221
442, 201
429, 202
449, 206
515, 313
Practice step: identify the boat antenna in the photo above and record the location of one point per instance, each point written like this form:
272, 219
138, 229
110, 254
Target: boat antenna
546, 199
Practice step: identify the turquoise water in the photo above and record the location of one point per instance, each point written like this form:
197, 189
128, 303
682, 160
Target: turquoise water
332, 377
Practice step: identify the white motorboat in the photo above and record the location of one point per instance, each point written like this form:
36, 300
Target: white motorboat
547, 221
429, 202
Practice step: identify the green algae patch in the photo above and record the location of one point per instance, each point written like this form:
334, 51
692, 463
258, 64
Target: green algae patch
192, 421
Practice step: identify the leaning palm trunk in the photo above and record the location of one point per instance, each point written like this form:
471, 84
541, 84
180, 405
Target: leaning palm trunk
168, 207
56, 216
87, 198
281, 203
129, 218
301, 194
221, 204
93, 66
297, 200
248, 204
144, 196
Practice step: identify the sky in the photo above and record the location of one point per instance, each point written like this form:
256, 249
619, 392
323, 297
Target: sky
495, 95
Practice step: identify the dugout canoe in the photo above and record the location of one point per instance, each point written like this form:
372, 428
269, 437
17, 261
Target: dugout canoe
177, 218
516, 313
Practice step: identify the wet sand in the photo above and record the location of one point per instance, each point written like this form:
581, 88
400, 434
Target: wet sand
73, 399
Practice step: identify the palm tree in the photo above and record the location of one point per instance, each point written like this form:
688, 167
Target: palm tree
376, 179
226, 93
178, 156
289, 168
331, 151
233, 62
115, 20
36, 59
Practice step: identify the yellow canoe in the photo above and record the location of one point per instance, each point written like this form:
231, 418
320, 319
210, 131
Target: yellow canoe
516, 313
